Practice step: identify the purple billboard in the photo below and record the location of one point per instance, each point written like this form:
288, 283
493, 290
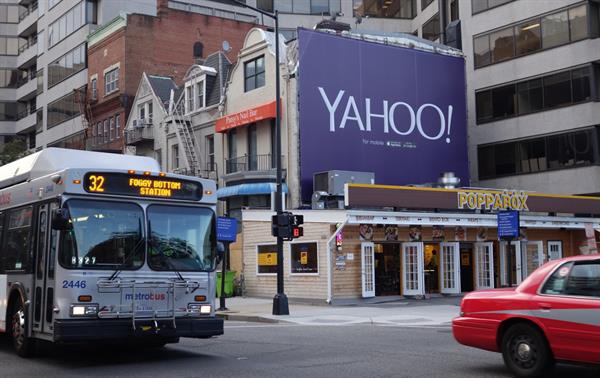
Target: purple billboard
394, 111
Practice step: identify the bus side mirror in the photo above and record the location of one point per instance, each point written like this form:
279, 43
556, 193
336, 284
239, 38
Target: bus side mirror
220, 251
60, 220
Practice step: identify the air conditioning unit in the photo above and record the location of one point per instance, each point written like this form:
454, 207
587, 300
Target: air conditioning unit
328, 187
137, 123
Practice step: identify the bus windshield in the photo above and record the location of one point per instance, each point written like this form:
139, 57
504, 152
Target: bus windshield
104, 235
181, 238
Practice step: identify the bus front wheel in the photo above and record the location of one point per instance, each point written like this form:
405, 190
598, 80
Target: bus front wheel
24, 346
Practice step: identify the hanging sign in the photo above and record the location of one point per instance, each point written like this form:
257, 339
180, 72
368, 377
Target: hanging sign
226, 229
508, 224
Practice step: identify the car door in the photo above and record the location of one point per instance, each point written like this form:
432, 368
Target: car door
568, 304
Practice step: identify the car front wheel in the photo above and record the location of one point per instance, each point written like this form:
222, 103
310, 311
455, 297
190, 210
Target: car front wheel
526, 352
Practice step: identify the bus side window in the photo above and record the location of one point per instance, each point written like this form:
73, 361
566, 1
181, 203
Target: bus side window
1, 238
17, 243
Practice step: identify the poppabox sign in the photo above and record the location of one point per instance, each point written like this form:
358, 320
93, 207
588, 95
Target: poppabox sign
394, 111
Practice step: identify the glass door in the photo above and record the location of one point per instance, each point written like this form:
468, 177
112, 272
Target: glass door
368, 269
533, 257
413, 269
449, 268
515, 262
484, 266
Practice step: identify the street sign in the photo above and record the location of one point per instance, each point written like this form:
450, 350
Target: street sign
226, 229
508, 224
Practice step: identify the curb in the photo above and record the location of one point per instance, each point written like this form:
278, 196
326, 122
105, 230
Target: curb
246, 318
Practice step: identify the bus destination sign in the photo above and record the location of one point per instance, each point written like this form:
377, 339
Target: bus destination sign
142, 186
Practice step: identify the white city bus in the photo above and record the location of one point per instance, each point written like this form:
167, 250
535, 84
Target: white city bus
104, 247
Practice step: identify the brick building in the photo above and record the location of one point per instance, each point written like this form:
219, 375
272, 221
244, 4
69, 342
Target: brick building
166, 44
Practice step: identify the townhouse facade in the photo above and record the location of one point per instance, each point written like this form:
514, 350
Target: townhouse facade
163, 45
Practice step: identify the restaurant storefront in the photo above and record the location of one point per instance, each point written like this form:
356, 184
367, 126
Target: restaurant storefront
423, 241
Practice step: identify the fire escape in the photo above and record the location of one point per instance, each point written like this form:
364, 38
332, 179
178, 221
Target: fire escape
185, 136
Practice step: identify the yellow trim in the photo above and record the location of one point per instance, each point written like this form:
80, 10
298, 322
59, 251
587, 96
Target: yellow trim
395, 187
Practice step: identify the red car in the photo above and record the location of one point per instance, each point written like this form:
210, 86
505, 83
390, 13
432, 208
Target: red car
554, 315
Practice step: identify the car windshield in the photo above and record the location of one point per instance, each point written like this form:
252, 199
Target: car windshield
103, 235
181, 238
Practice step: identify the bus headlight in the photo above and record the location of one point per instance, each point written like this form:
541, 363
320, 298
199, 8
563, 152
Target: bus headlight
82, 310
199, 308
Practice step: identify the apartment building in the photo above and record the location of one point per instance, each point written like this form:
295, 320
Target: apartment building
163, 45
51, 64
9, 50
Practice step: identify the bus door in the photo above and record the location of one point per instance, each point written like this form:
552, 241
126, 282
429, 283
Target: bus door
43, 297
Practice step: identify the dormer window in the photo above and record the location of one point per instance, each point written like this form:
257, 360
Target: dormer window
195, 94
200, 89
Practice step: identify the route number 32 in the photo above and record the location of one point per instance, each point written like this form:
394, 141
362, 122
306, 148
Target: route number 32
96, 183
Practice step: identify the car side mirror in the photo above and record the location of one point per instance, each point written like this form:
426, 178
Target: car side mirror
61, 219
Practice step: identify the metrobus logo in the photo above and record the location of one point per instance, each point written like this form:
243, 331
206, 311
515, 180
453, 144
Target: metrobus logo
146, 297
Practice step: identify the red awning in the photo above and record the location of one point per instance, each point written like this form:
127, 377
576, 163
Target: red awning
245, 117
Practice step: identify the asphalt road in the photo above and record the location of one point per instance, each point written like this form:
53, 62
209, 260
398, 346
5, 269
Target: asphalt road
280, 350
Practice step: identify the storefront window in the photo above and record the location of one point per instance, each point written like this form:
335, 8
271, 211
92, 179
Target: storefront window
304, 258
266, 259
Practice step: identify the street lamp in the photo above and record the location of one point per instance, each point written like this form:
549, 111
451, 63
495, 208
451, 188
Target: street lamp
280, 301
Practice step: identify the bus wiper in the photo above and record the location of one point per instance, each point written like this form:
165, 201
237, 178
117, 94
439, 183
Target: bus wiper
167, 259
128, 259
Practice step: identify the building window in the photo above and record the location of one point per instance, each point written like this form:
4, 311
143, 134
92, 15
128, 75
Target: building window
118, 126
431, 29
254, 73
528, 96
9, 14
150, 110
232, 161
320, 7
67, 23
528, 37
94, 88
252, 147
106, 136
304, 258
175, 156
189, 99
99, 134
39, 75
567, 150
111, 81
61, 110
210, 151
67, 65
535, 34
200, 95
8, 111
266, 259
425, 3
112, 128
454, 11
8, 78
478, 6
386, 9
9, 46
555, 29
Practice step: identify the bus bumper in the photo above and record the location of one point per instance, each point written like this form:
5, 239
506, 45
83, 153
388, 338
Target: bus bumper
77, 330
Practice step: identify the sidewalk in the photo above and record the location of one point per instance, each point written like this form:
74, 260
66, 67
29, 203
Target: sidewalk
401, 312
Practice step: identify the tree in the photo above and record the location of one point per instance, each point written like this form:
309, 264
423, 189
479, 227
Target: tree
13, 150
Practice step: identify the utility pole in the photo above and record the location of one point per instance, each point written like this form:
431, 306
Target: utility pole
280, 301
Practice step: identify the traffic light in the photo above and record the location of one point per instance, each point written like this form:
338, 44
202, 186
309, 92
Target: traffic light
287, 226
